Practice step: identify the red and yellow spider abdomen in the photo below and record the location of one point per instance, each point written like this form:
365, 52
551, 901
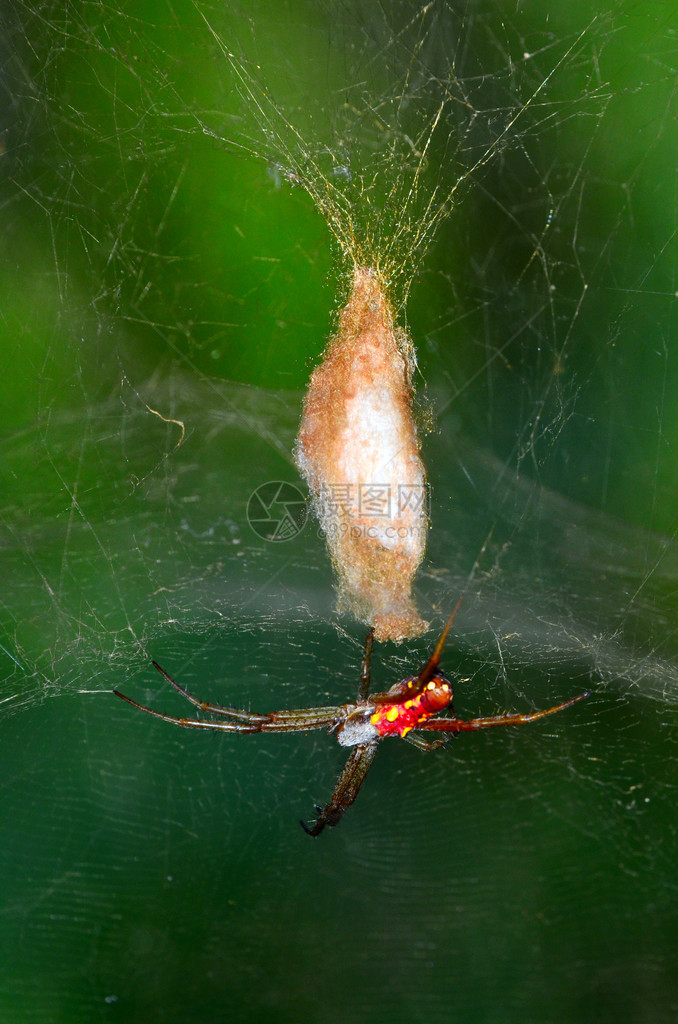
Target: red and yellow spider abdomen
400, 717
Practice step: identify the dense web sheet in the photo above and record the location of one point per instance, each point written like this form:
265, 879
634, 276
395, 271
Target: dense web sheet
184, 190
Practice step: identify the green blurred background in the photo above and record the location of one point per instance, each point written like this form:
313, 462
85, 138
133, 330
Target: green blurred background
167, 284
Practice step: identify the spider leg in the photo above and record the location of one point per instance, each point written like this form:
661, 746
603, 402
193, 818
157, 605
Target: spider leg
471, 724
422, 744
433, 662
194, 723
365, 667
216, 709
303, 720
346, 790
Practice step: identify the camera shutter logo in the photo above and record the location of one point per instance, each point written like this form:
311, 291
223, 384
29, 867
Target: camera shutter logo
277, 511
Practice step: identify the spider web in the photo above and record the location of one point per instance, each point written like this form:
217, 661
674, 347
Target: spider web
184, 186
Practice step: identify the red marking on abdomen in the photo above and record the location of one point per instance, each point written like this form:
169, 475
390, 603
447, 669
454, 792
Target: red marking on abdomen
400, 718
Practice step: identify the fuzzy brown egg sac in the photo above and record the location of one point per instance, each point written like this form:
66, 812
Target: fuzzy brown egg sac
359, 453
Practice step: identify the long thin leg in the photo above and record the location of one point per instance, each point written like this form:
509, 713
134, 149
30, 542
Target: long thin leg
216, 709
346, 790
278, 721
433, 662
365, 667
422, 744
470, 725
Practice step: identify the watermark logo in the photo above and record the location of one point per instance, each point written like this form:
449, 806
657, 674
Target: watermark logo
277, 511
375, 501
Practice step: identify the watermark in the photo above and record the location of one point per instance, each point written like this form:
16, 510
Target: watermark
374, 500
277, 511
381, 533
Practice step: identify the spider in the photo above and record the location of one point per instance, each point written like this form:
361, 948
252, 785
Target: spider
408, 706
